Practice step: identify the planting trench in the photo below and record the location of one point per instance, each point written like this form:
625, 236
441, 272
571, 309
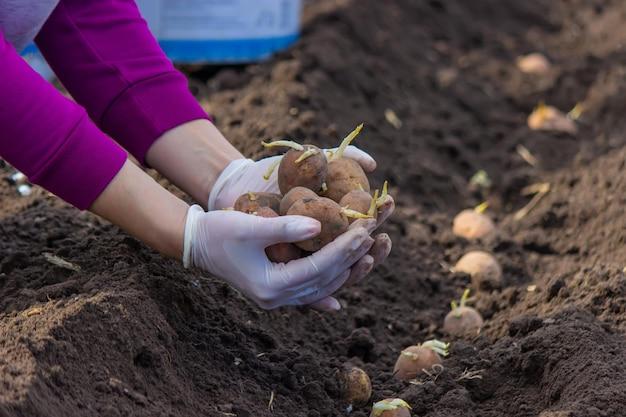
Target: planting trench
131, 334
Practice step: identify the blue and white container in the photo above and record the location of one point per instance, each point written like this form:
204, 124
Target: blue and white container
222, 31
37, 62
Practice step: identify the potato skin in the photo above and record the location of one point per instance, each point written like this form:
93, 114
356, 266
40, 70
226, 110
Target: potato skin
328, 213
357, 200
310, 173
280, 252
473, 225
462, 321
247, 205
484, 269
412, 360
293, 195
344, 175
283, 252
534, 63
355, 385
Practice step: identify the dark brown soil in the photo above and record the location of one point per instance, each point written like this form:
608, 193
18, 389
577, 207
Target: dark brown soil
131, 334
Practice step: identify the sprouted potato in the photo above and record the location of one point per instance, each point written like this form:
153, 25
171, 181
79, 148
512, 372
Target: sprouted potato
302, 166
462, 320
362, 202
473, 224
279, 252
419, 358
303, 174
344, 174
355, 385
331, 216
484, 269
293, 195
546, 117
357, 200
534, 63
250, 202
391, 407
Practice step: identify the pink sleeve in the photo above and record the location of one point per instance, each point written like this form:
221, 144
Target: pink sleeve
105, 55
50, 138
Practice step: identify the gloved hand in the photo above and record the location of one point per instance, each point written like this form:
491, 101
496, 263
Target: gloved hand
231, 245
245, 175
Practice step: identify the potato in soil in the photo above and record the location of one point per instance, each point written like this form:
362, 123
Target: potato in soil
550, 118
279, 252
250, 202
462, 321
413, 360
484, 269
391, 407
328, 213
344, 175
534, 63
293, 195
296, 170
356, 386
358, 200
471, 224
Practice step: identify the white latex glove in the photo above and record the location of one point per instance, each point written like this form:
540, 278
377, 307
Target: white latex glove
245, 175
231, 245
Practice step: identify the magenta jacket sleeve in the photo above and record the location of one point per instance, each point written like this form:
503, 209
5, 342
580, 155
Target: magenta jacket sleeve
50, 138
105, 55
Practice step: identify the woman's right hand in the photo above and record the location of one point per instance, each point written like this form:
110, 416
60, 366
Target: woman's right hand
231, 245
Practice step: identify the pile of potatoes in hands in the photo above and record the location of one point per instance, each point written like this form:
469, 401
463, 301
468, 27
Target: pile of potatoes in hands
326, 186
